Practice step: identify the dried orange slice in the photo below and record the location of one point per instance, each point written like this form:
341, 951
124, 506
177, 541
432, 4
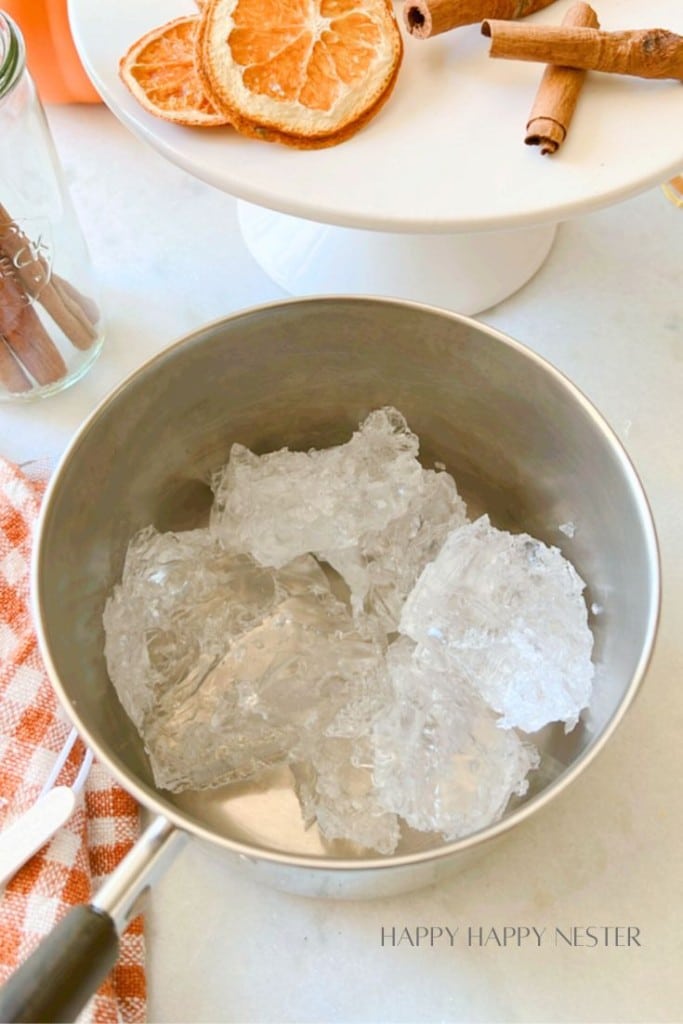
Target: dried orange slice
160, 71
304, 72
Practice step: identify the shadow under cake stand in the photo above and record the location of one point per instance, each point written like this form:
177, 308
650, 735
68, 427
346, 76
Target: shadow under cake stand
437, 199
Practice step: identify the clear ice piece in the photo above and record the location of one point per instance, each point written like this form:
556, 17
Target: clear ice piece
227, 667
440, 760
508, 613
336, 790
266, 702
170, 604
383, 567
283, 504
335, 787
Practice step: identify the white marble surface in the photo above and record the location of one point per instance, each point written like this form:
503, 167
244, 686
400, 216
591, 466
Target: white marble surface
607, 308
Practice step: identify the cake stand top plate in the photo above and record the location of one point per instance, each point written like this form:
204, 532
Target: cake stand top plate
446, 153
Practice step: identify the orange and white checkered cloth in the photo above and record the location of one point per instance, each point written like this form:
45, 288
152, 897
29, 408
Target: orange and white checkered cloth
32, 732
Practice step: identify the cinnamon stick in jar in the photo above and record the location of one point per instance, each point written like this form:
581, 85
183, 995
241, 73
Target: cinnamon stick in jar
72, 312
24, 334
644, 53
12, 377
426, 18
558, 92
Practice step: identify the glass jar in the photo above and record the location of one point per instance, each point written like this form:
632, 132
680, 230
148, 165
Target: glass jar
51, 328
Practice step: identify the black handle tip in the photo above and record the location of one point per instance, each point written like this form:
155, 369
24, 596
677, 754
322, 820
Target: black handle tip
59, 977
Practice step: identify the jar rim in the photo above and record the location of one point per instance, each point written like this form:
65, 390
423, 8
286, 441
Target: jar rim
12, 54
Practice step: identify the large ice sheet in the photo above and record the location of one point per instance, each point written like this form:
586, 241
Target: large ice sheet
507, 612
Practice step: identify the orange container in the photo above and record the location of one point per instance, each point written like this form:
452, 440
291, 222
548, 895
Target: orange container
50, 53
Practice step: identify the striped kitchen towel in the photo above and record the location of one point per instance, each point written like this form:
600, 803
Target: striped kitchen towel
32, 732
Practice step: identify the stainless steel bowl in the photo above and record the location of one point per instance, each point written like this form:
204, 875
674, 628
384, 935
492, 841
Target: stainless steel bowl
519, 438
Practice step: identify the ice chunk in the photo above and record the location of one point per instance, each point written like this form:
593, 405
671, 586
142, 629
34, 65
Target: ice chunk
507, 612
266, 702
284, 504
336, 790
440, 761
170, 604
367, 508
385, 564
335, 787
226, 667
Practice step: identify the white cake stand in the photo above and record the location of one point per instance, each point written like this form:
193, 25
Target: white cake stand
437, 199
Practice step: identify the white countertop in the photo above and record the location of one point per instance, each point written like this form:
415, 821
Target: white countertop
607, 309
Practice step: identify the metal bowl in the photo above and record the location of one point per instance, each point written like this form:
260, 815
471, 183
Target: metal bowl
521, 441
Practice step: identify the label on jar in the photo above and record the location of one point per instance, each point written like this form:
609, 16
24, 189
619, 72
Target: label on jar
26, 256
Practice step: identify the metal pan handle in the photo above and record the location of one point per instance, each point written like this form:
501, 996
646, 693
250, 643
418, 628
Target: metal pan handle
59, 977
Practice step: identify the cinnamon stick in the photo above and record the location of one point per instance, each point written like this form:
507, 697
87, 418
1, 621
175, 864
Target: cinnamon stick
23, 332
645, 53
12, 377
67, 314
558, 92
88, 307
426, 18
72, 316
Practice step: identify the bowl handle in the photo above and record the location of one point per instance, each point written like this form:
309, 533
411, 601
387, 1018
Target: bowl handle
68, 966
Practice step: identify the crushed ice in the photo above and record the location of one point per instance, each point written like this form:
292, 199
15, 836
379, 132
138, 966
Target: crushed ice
394, 699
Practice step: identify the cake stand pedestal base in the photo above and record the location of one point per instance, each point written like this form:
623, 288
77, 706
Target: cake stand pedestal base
466, 273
